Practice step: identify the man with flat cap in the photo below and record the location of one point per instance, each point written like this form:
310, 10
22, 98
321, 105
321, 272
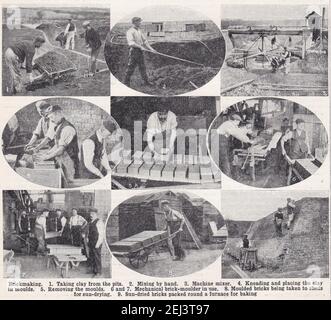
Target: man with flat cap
94, 160
43, 125
93, 45
15, 55
137, 42
230, 128
65, 150
175, 222
95, 239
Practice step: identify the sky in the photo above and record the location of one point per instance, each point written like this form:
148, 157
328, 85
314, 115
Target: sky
165, 13
254, 205
267, 12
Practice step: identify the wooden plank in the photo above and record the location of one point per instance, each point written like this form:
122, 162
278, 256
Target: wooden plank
206, 174
194, 173
243, 83
46, 177
181, 172
156, 171
125, 246
133, 169
192, 233
122, 167
145, 169
168, 171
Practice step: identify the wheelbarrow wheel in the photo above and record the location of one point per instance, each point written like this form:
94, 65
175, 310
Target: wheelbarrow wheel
139, 259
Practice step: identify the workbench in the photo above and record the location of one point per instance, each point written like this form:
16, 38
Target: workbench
302, 169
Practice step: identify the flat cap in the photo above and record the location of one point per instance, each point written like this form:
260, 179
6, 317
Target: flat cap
136, 19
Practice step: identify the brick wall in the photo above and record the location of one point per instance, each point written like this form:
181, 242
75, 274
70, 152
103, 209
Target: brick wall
86, 117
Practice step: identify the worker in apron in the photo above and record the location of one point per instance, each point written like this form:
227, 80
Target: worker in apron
70, 33
76, 224
230, 128
39, 137
65, 150
94, 159
175, 223
161, 134
24, 227
299, 143
40, 231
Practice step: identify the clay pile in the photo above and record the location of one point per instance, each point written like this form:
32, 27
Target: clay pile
53, 61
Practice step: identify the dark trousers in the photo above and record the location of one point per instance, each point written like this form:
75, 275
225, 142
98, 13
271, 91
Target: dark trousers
136, 58
95, 259
177, 243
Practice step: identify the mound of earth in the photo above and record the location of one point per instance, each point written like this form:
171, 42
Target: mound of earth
305, 244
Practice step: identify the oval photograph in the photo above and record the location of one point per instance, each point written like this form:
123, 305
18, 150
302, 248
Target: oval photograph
61, 142
166, 234
268, 142
165, 50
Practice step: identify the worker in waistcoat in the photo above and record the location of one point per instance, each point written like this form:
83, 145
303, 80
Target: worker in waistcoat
40, 132
175, 222
298, 142
94, 159
278, 222
15, 55
65, 150
76, 224
95, 240
161, 133
40, 231
70, 33
230, 128
60, 225
137, 43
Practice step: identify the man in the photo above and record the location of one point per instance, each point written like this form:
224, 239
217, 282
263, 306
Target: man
10, 133
95, 240
161, 133
244, 247
70, 33
137, 42
93, 45
278, 221
76, 224
23, 227
175, 222
286, 59
94, 159
290, 212
65, 149
15, 55
60, 223
226, 130
299, 142
40, 231
41, 129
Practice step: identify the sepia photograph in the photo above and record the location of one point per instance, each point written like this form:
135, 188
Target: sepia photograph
54, 234
165, 50
165, 142
166, 234
276, 234
61, 142
55, 51
275, 50
268, 142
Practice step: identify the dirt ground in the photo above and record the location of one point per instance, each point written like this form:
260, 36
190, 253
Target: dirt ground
229, 273
161, 265
231, 76
36, 267
73, 84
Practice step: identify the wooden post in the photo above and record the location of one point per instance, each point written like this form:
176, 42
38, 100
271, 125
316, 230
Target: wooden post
303, 45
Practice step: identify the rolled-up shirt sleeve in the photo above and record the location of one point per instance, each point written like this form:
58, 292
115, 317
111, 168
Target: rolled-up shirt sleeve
130, 38
101, 231
38, 130
66, 137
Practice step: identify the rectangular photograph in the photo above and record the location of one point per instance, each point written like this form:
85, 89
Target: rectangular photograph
50, 51
55, 234
273, 50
